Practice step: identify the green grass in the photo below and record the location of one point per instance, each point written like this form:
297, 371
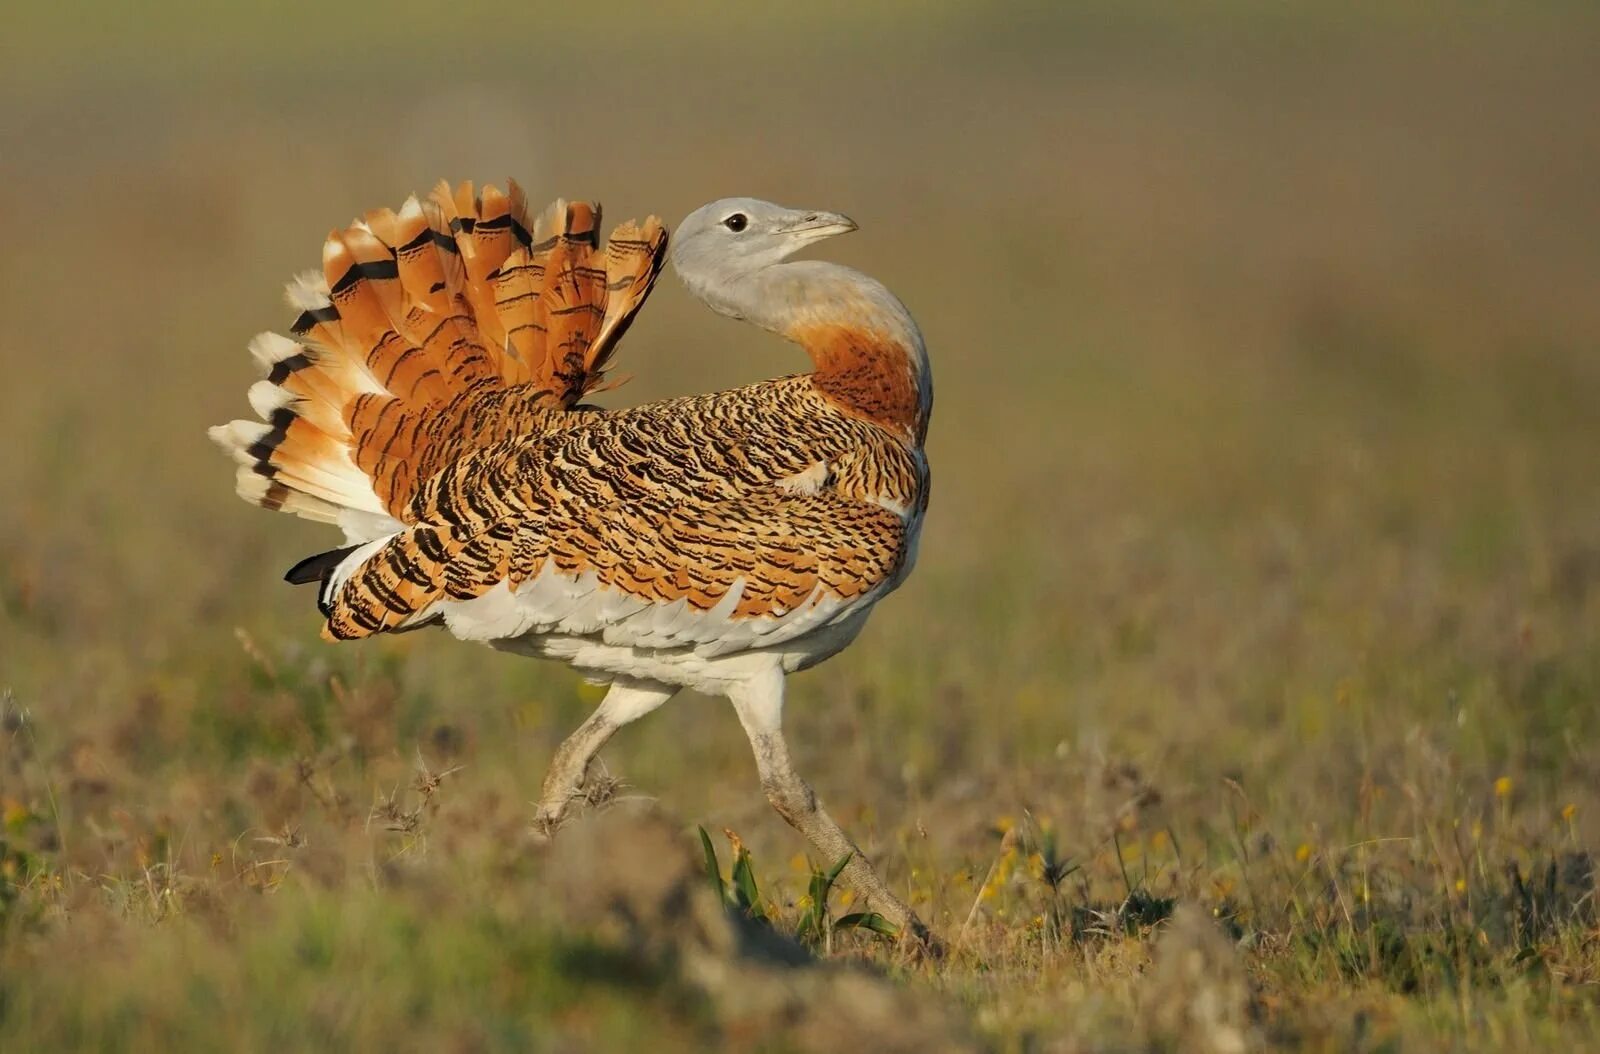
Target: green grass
1246, 690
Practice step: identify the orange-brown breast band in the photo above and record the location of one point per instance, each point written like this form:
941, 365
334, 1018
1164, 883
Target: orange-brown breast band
865, 374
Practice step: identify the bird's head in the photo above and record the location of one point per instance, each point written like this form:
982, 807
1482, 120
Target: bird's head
718, 244
731, 254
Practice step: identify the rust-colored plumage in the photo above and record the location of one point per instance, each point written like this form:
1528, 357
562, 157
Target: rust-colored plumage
867, 375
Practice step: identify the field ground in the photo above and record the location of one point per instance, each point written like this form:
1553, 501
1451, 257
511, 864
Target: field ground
1245, 694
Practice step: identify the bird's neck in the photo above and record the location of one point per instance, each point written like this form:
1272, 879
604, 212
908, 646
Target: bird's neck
869, 356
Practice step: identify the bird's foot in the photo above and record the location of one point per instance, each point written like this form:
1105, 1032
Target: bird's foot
555, 809
548, 818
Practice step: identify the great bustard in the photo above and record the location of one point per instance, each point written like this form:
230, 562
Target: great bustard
429, 406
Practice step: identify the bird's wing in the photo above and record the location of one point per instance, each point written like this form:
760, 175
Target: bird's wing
453, 324
543, 537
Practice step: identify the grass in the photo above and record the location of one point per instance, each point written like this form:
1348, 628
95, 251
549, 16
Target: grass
1244, 695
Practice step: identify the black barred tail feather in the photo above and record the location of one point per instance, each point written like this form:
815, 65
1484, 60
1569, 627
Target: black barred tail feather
430, 332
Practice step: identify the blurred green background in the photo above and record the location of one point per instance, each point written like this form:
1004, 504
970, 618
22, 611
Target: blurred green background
1266, 340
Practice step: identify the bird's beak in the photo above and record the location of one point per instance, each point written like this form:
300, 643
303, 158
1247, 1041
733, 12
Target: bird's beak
814, 226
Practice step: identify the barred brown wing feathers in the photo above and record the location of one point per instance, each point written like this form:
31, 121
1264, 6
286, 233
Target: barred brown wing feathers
629, 507
772, 554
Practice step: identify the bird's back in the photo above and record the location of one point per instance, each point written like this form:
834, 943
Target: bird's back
430, 407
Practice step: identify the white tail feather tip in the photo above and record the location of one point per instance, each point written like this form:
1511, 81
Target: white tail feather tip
308, 291
237, 437
269, 349
267, 399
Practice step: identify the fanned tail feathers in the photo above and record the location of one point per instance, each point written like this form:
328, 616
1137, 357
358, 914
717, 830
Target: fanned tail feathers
429, 332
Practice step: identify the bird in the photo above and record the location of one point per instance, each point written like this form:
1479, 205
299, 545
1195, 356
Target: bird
429, 402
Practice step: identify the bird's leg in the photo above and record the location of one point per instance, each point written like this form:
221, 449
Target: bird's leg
626, 701
759, 704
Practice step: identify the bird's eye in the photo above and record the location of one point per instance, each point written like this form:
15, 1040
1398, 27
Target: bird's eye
736, 222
